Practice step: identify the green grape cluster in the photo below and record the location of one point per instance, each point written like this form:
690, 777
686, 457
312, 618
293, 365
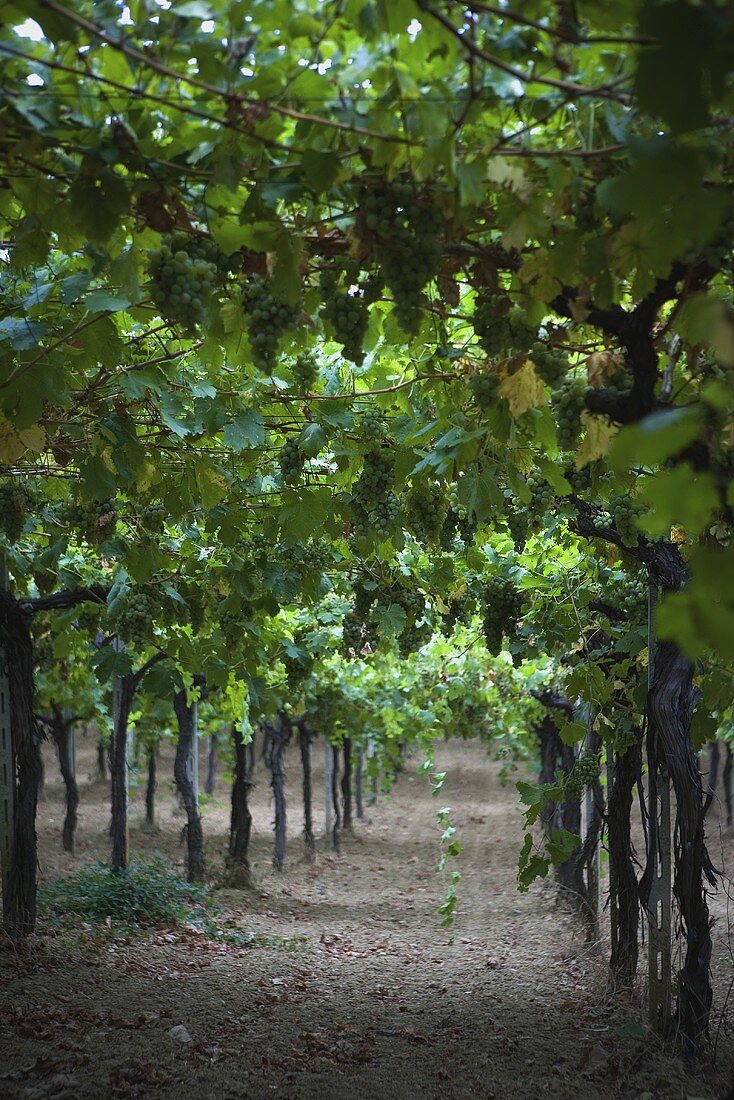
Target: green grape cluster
458, 611
297, 669
585, 772
305, 371
541, 494
268, 317
371, 426
183, 272
501, 604
133, 616
363, 598
349, 315
410, 226
501, 333
578, 479
379, 519
458, 521
411, 600
412, 638
631, 598
352, 625
568, 404
317, 555
94, 520
153, 516
518, 524
551, 364
15, 502
229, 616
376, 479
484, 387
626, 511
426, 511
291, 462
375, 507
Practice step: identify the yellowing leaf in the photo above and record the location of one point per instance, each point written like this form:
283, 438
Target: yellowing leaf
523, 390
602, 365
595, 444
505, 173
34, 438
13, 443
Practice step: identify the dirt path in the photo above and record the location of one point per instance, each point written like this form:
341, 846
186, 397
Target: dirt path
362, 996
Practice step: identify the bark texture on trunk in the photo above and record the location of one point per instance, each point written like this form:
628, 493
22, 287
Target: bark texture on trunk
59, 728
151, 787
358, 780
211, 764
240, 822
277, 737
670, 705
118, 768
347, 784
16, 646
102, 758
185, 716
336, 828
305, 740
624, 889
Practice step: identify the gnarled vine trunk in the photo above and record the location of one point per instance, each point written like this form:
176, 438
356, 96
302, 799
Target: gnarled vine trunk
358, 781
304, 742
278, 736
240, 822
185, 715
16, 646
347, 784
150, 788
118, 769
60, 729
623, 886
671, 701
211, 764
336, 809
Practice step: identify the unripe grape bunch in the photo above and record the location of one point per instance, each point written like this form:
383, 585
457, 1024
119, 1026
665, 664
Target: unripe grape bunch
410, 227
585, 772
485, 387
551, 364
291, 462
626, 511
305, 371
349, 315
184, 272
268, 317
94, 520
15, 503
500, 333
132, 617
426, 510
371, 426
568, 404
501, 607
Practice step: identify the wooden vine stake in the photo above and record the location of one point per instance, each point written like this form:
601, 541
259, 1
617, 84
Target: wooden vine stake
659, 905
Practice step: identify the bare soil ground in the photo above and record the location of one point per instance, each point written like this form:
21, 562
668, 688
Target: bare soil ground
361, 995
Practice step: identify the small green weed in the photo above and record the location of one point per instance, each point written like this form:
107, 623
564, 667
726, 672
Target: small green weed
146, 895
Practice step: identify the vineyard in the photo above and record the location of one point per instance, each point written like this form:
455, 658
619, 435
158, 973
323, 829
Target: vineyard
366, 562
